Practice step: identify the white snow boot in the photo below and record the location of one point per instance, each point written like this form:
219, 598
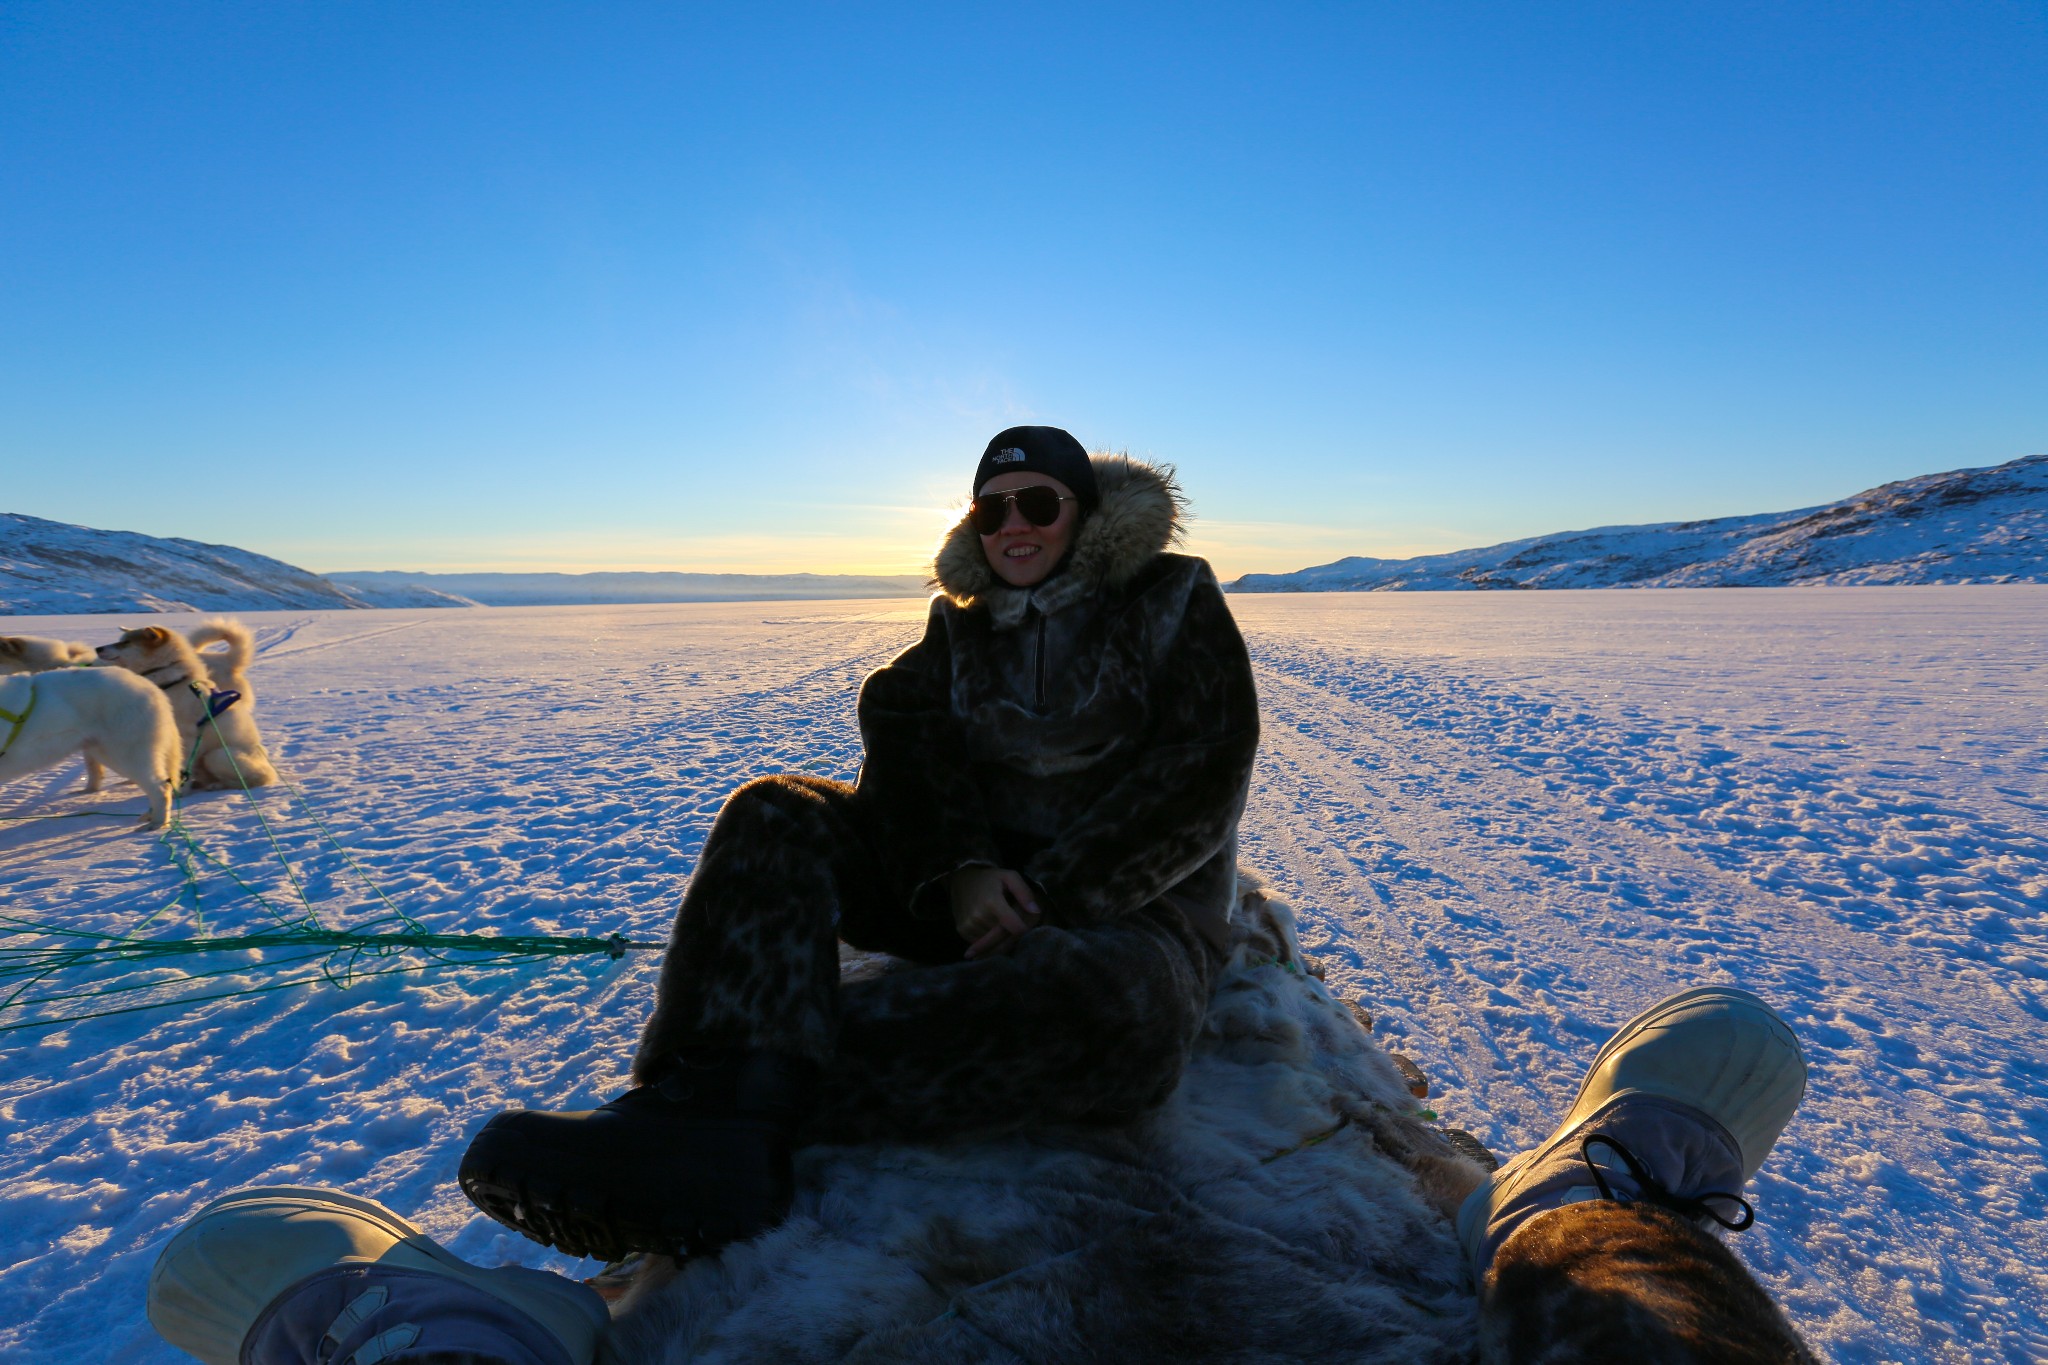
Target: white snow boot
289, 1276
1680, 1109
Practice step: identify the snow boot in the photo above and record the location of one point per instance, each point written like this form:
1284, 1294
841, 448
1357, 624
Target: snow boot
1680, 1109
289, 1276
695, 1160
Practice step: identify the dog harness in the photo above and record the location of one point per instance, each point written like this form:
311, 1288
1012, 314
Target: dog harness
211, 704
215, 700
18, 719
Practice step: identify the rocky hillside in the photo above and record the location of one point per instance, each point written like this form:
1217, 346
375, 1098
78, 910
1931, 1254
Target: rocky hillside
50, 568
1965, 526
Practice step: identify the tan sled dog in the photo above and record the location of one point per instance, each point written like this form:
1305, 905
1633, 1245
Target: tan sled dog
34, 654
225, 751
116, 719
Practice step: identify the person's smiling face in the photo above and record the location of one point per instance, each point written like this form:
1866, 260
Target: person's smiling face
1022, 554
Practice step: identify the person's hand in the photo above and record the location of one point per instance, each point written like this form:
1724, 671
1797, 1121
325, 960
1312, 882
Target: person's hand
993, 907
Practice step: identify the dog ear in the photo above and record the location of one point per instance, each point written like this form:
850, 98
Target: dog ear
155, 636
10, 644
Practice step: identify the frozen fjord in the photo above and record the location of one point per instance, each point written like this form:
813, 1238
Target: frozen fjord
1508, 822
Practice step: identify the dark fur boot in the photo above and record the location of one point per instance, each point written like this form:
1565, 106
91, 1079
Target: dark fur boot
1603, 1281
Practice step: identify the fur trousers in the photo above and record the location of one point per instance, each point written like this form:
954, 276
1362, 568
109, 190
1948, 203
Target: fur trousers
1601, 1281
1070, 1026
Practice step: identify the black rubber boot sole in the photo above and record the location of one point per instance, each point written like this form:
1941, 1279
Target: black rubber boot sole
554, 1217
534, 1188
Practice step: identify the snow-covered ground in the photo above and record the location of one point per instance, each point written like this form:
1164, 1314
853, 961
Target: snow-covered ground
1510, 820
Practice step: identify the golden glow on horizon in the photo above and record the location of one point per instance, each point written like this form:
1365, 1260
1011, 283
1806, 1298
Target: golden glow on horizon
1233, 547
881, 539
900, 540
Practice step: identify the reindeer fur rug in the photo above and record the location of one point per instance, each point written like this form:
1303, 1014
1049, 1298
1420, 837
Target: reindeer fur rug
1287, 1203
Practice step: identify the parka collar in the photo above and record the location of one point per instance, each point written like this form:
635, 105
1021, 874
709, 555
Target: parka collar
1138, 518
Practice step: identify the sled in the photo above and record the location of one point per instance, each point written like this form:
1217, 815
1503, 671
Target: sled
1290, 1201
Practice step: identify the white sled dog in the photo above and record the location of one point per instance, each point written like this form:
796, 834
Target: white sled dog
117, 719
226, 751
34, 654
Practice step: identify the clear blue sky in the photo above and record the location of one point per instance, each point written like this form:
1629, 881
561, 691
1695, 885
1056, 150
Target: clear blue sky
747, 287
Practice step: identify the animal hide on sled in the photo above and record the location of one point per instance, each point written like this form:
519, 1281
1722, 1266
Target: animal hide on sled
1287, 1203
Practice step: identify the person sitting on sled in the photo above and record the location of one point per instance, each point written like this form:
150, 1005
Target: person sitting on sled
1046, 815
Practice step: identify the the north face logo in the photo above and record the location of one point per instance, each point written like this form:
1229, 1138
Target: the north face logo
1009, 455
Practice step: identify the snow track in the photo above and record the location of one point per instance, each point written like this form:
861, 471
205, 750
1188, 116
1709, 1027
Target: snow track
1509, 821
1504, 869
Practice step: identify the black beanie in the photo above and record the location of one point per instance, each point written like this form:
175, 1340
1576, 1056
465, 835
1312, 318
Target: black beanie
1040, 450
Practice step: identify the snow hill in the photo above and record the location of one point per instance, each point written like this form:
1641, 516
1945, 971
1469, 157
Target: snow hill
51, 566
585, 589
1965, 526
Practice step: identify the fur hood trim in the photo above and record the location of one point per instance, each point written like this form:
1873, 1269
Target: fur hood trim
1140, 516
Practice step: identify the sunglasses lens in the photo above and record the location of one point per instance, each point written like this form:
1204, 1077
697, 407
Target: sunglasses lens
1039, 504
990, 512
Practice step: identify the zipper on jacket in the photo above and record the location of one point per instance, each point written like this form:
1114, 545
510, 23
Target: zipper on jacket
1041, 661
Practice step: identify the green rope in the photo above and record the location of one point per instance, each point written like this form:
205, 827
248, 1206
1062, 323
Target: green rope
346, 856
126, 948
222, 995
37, 963
341, 955
71, 815
1308, 1142
257, 806
98, 991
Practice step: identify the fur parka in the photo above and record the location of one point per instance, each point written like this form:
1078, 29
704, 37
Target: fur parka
1096, 732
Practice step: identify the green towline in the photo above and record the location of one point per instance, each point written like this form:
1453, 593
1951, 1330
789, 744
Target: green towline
343, 956
30, 965
120, 946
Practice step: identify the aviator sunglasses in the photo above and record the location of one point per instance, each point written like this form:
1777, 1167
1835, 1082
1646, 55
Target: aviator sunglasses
1039, 504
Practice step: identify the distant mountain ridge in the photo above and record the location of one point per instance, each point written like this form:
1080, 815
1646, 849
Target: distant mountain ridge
1966, 526
611, 588
52, 568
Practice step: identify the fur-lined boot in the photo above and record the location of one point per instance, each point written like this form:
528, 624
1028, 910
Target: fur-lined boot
1593, 1246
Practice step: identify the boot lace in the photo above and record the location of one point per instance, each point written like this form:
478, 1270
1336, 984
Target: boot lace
1655, 1192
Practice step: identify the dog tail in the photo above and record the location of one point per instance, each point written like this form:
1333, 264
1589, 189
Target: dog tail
241, 644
